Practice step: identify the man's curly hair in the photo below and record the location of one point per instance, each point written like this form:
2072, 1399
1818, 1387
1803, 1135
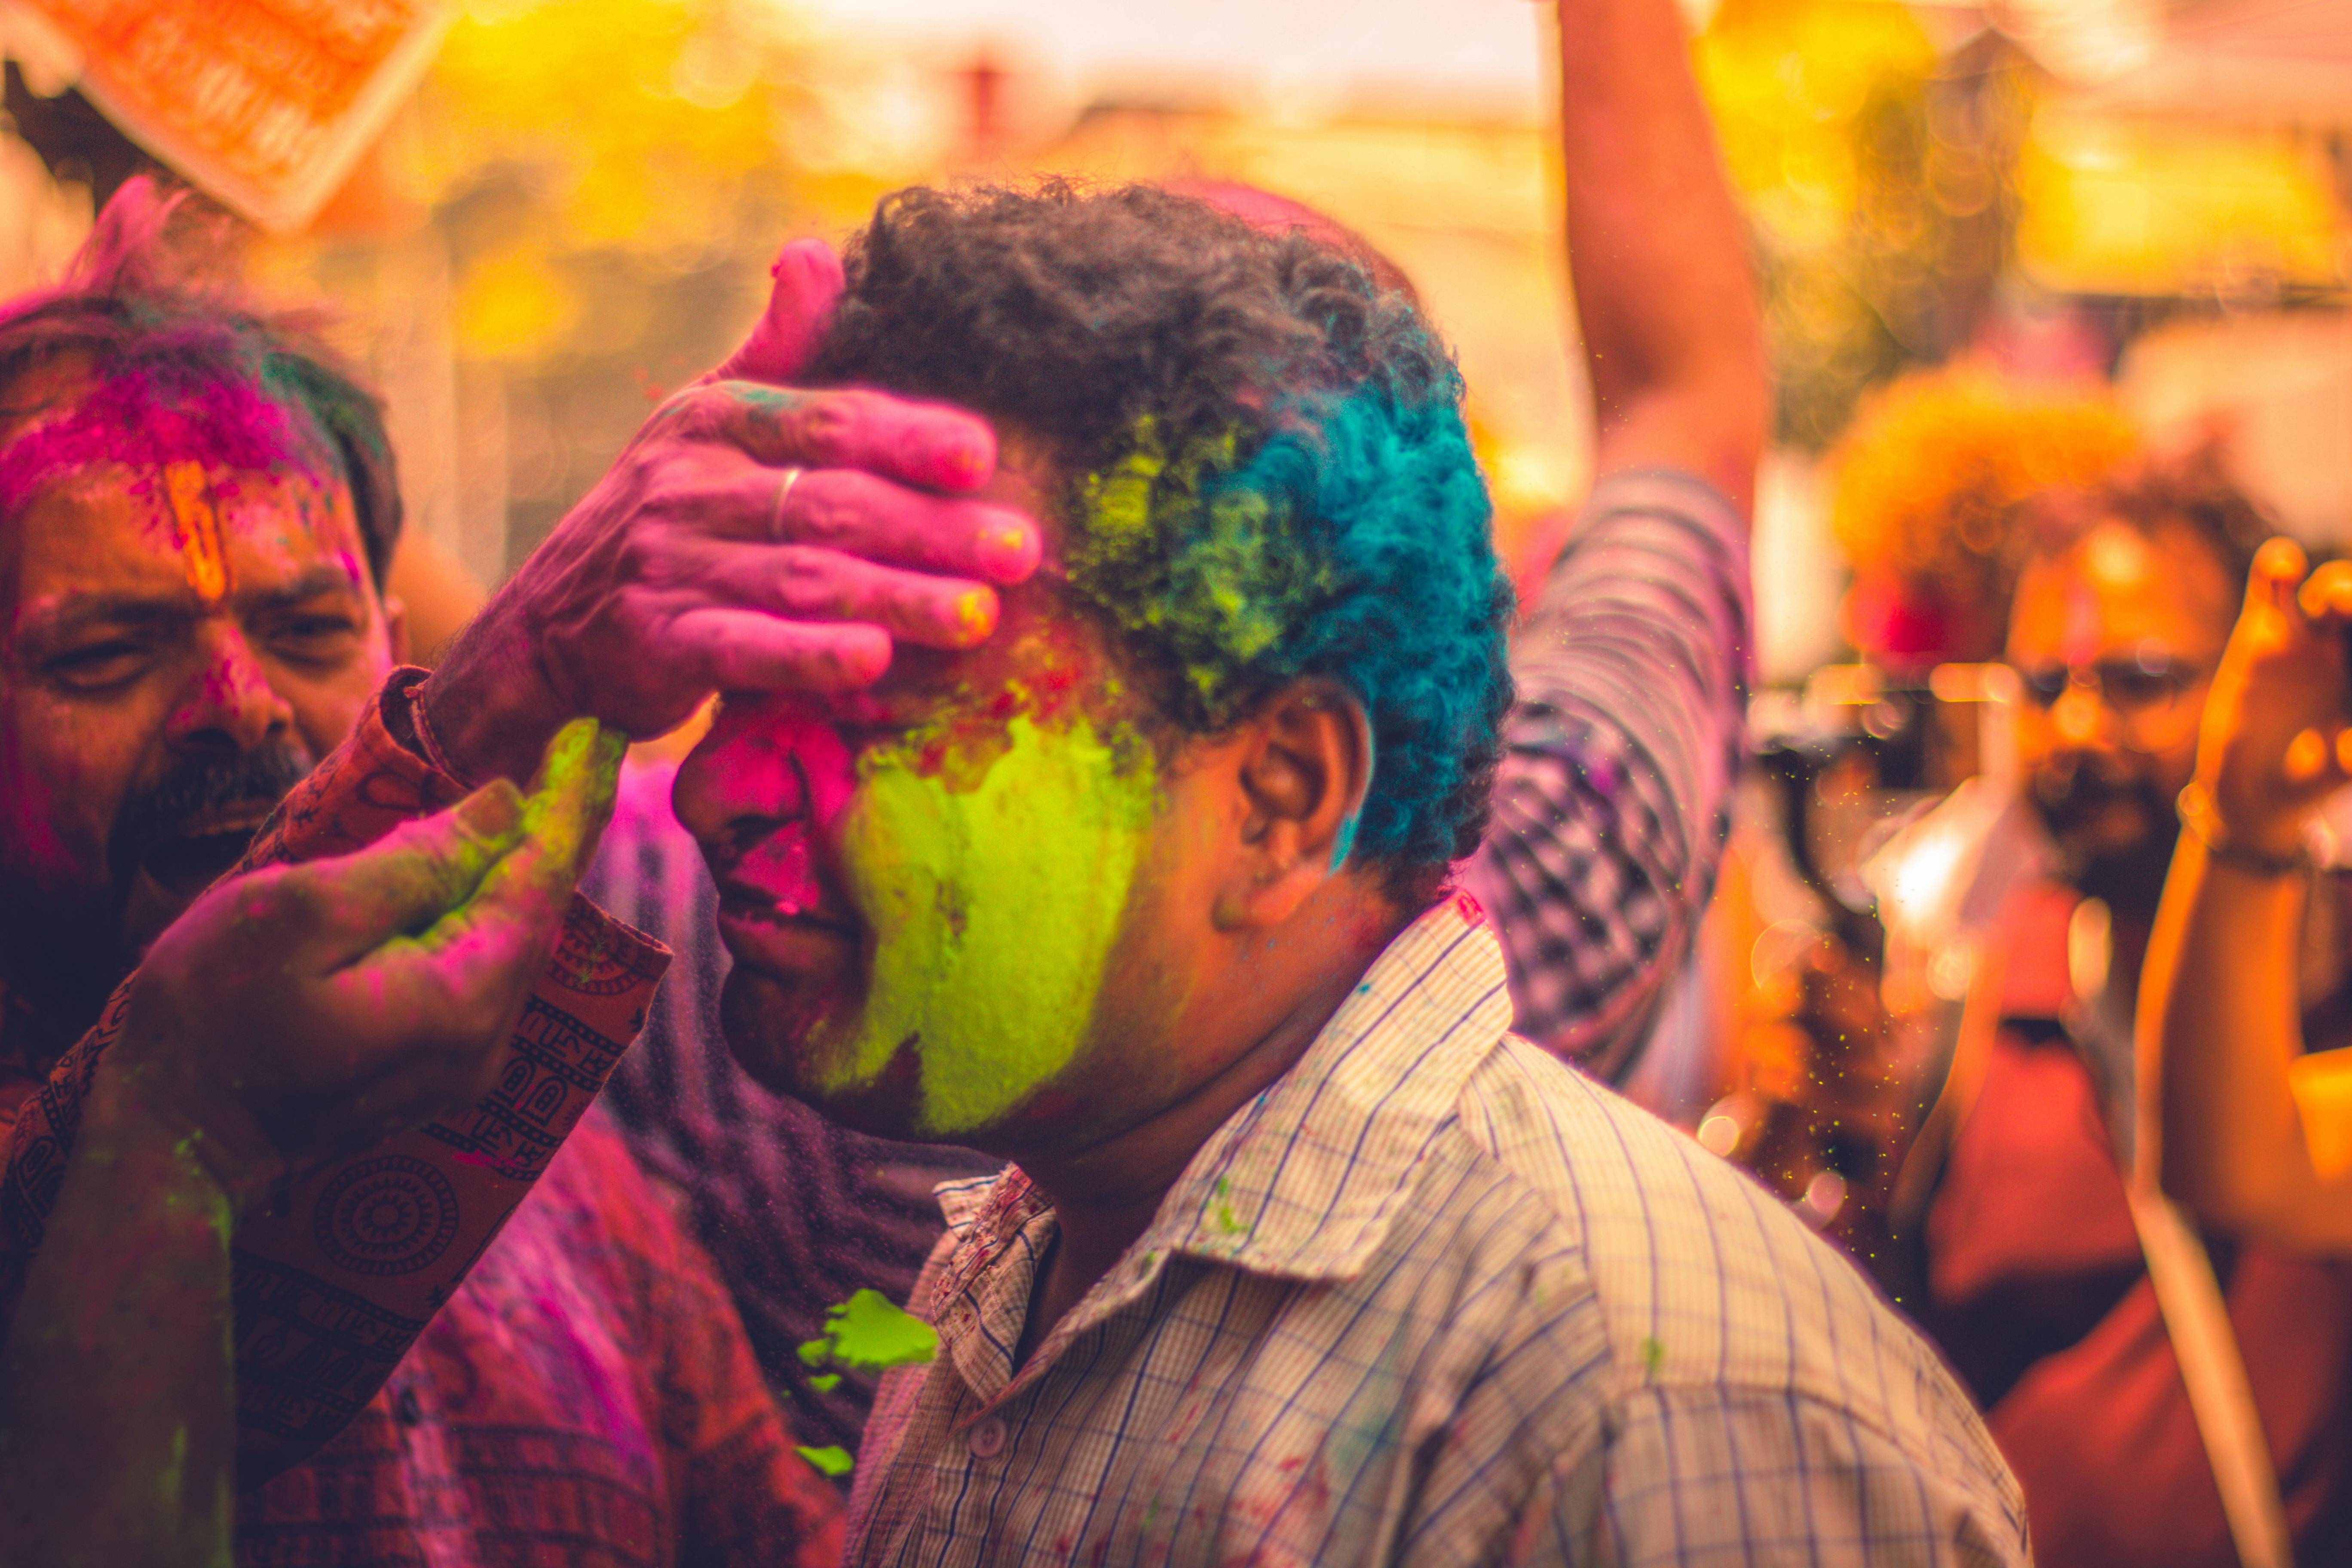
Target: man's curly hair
2191, 489
1934, 485
1265, 473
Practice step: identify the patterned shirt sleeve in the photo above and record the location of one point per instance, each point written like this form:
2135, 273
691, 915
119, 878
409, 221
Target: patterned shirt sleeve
1695, 1475
1613, 800
321, 1322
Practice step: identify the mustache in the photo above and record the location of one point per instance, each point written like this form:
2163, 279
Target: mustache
2069, 796
2129, 874
194, 790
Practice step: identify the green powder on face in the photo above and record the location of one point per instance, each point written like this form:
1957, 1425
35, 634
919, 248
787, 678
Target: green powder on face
994, 901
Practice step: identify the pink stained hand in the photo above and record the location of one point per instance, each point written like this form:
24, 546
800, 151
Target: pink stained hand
702, 562
300, 1012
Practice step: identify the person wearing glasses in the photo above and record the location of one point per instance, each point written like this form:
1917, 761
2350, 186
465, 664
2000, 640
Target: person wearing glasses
2051, 1289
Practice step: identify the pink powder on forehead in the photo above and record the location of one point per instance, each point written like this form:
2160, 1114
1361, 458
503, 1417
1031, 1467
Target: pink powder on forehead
140, 420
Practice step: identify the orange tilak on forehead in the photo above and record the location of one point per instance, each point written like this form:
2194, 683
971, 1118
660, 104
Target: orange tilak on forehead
2112, 564
2079, 633
196, 523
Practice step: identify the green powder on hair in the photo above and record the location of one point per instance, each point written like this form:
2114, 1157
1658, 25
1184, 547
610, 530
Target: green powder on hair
1210, 575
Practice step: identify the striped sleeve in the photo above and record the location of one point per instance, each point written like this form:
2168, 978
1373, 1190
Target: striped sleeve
1613, 800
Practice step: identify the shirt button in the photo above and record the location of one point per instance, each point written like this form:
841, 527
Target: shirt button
987, 1438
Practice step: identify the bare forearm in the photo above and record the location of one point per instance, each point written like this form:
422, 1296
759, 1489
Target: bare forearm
2219, 1028
116, 1442
1665, 295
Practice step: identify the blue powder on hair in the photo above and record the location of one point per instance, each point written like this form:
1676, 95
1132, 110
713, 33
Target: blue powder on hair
1355, 543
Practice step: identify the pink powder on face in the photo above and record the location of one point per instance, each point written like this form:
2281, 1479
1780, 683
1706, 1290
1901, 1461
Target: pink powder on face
140, 421
793, 766
2078, 642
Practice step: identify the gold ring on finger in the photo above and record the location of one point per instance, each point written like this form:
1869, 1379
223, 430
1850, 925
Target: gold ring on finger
790, 478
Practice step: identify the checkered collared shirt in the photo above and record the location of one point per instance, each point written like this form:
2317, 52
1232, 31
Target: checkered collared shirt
1431, 1298
1613, 800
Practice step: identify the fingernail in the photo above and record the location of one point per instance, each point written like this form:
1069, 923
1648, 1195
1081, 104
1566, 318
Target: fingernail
1008, 551
958, 465
566, 754
974, 616
575, 749
864, 662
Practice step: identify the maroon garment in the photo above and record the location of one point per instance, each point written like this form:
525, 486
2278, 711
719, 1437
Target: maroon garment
574, 1388
2037, 1293
585, 1399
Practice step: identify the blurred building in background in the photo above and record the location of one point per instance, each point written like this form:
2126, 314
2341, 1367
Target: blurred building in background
570, 208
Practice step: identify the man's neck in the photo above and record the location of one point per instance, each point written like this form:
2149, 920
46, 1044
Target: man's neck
1106, 1195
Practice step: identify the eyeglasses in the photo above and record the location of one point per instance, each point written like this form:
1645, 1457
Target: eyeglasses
2151, 694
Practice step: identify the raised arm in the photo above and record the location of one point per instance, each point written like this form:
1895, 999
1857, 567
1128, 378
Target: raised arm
1611, 804
1665, 297
2237, 1123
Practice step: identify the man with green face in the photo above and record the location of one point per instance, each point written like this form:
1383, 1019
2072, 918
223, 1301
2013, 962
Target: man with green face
196, 509
1304, 1256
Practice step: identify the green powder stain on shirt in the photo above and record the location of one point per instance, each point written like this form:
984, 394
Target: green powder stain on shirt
1225, 1220
869, 1333
995, 896
831, 1461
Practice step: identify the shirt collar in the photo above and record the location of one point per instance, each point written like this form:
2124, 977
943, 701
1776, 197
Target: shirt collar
1306, 1176
1300, 1182
1304, 1180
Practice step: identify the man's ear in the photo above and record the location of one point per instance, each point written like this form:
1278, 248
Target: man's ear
1304, 765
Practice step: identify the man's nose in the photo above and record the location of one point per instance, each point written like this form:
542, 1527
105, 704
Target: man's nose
762, 766
2080, 717
229, 705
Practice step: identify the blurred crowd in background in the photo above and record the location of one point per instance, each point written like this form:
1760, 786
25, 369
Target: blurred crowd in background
2009, 252
2004, 250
